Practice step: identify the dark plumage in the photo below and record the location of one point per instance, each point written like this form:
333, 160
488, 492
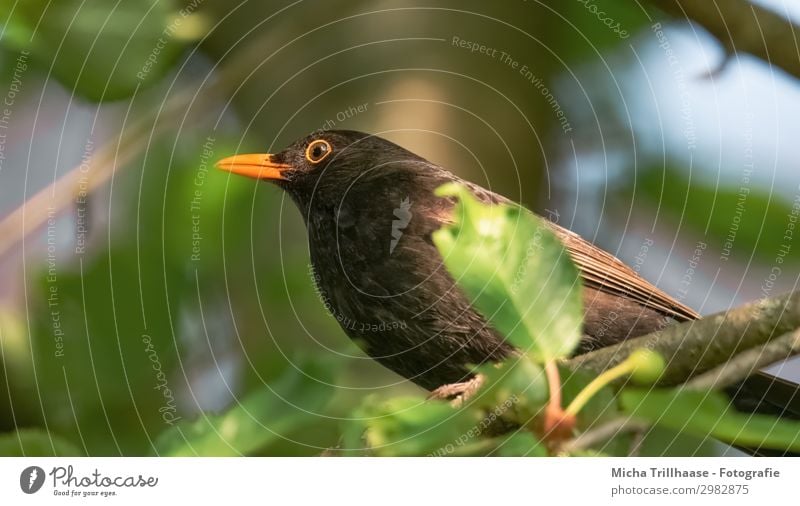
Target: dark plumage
370, 211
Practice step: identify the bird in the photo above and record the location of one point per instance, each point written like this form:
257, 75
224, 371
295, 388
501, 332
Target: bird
370, 210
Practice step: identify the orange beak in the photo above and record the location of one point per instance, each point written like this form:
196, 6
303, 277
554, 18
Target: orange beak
258, 166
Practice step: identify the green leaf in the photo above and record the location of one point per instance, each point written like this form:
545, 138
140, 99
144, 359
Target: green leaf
36, 443
259, 419
708, 413
520, 444
412, 426
516, 384
407, 426
517, 444
660, 441
517, 273
100, 49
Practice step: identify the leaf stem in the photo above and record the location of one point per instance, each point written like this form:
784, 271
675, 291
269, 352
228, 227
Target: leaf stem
643, 364
557, 424
553, 383
599, 382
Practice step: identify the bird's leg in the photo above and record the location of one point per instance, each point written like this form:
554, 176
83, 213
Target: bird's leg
457, 393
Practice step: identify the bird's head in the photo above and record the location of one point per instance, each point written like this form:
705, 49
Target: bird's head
323, 164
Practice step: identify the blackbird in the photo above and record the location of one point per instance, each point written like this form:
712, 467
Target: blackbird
370, 210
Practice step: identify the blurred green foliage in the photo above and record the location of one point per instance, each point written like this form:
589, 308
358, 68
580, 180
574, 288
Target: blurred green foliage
600, 24
255, 421
101, 50
36, 443
146, 312
752, 219
708, 413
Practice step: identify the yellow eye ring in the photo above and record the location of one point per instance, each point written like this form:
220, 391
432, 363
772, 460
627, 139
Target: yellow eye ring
318, 150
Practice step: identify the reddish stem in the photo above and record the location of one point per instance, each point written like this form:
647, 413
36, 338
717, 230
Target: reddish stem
554, 384
558, 425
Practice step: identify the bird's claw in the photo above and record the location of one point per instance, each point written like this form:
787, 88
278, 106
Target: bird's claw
457, 393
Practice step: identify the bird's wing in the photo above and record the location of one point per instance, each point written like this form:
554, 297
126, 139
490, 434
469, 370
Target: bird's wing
601, 270
605, 272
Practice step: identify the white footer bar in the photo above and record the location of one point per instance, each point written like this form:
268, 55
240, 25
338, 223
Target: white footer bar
409, 481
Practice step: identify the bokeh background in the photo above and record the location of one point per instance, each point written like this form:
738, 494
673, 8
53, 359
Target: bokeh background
141, 287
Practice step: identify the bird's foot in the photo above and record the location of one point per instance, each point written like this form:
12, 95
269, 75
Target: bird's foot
457, 393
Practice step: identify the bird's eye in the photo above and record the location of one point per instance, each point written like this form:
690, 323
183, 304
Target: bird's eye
318, 151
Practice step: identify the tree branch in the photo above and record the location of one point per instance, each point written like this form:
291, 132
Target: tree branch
743, 27
695, 347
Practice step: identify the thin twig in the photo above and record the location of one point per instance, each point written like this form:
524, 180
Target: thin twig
748, 362
603, 433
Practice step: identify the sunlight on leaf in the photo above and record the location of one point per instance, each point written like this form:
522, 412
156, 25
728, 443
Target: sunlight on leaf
517, 273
